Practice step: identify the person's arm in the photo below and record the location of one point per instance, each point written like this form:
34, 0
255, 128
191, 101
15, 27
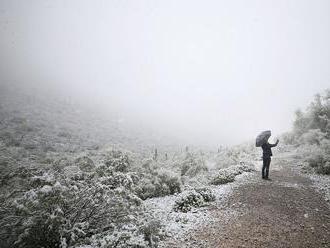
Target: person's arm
273, 145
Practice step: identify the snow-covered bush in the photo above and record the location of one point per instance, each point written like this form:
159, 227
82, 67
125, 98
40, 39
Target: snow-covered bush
245, 167
315, 159
312, 136
320, 162
159, 183
152, 231
226, 158
59, 212
148, 164
171, 180
146, 232
223, 177
192, 165
206, 193
60, 163
311, 133
317, 156
118, 161
73, 172
316, 116
324, 168
189, 200
119, 179
85, 163
129, 238
312, 130
228, 174
42, 180
193, 198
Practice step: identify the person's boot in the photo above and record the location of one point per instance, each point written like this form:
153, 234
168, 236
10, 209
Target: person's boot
266, 176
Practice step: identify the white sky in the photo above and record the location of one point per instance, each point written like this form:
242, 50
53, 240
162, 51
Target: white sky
209, 71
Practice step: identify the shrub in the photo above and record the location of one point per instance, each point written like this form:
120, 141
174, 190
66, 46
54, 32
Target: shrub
191, 166
145, 232
206, 193
119, 239
324, 168
315, 160
73, 172
160, 183
223, 177
193, 198
318, 156
226, 158
316, 116
119, 179
245, 167
312, 136
42, 180
189, 200
85, 163
228, 174
171, 180
152, 231
103, 171
60, 164
57, 214
118, 161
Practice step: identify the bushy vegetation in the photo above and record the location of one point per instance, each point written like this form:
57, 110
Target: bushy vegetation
193, 198
192, 165
227, 175
206, 193
316, 117
75, 201
317, 156
72, 201
117, 161
63, 185
59, 211
158, 183
223, 177
311, 133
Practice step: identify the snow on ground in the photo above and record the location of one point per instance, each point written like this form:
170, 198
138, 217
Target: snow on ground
178, 224
321, 184
290, 185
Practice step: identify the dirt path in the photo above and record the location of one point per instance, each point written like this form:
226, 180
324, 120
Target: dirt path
283, 212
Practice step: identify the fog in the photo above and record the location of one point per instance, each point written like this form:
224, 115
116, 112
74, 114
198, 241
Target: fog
208, 72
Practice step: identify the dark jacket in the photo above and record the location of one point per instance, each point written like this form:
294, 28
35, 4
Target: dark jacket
267, 149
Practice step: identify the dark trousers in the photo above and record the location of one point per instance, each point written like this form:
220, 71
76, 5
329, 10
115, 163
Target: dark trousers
265, 167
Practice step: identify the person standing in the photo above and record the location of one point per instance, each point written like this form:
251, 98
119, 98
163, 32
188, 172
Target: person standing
266, 157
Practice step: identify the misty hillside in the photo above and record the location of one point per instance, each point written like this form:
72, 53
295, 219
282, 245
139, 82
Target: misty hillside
63, 125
